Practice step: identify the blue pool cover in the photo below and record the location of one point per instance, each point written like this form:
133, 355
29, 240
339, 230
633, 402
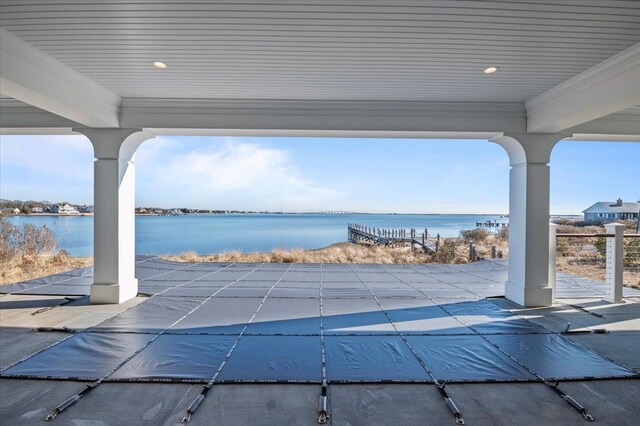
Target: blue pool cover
278, 323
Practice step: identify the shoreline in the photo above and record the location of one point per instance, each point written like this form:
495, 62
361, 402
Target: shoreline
45, 214
501, 215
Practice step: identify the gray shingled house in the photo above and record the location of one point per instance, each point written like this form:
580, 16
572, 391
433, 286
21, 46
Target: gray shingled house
604, 211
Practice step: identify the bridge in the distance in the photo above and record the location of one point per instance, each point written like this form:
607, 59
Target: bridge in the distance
334, 212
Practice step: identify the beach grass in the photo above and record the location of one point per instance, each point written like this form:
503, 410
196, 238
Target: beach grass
335, 253
453, 250
27, 267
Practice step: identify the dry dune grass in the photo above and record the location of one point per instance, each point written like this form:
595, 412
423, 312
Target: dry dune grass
345, 253
28, 252
27, 267
336, 253
597, 271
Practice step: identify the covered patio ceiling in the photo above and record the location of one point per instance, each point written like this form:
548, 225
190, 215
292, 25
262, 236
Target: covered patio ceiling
317, 66
324, 68
523, 74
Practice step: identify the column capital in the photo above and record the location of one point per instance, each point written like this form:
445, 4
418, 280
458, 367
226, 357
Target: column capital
529, 148
109, 143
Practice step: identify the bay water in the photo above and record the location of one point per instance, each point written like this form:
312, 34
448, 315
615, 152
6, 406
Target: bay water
215, 233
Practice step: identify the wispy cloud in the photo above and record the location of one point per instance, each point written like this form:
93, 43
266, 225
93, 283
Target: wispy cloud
53, 168
65, 156
230, 174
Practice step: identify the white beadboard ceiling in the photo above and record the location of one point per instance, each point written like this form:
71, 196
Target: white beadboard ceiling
327, 49
635, 110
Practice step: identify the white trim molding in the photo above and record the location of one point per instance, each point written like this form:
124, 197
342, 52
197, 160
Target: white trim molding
609, 87
31, 76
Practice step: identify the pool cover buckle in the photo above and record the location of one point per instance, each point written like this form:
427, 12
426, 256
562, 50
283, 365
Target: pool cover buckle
452, 405
553, 384
323, 412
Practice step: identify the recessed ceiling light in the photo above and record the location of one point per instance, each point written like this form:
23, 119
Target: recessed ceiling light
490, 70
159, 65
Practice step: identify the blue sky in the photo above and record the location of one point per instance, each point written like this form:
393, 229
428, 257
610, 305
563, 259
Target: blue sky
302, 174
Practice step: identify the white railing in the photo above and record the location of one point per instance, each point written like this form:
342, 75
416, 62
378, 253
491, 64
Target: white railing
613, 259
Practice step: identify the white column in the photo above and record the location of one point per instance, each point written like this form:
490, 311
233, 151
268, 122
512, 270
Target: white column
529, 155
114, 213
615, 259
553, 232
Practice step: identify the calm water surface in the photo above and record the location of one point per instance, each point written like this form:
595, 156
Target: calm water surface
245, 232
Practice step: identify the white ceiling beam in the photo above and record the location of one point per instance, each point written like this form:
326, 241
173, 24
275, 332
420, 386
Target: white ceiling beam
609, 87
325, 134
19, 115
324, 116
31, 76
620, 123
36, 131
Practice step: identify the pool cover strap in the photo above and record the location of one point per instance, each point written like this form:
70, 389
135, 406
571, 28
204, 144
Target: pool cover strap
452, 405
323, 409
323, 412
583, 309
69, 402
575, 404
196, 402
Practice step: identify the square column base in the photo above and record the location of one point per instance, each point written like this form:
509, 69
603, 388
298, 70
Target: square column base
113, 293
533, 297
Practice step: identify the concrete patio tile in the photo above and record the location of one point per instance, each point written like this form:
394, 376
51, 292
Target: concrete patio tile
606, 308
20, 301
28, 402
608, 401
23, 317
407, 405
86, 320
522, 404
260, 405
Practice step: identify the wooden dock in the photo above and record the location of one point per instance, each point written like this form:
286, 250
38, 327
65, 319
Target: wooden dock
492, 224
392, 237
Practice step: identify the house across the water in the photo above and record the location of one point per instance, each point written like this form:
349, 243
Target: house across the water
606, 211
63, 209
